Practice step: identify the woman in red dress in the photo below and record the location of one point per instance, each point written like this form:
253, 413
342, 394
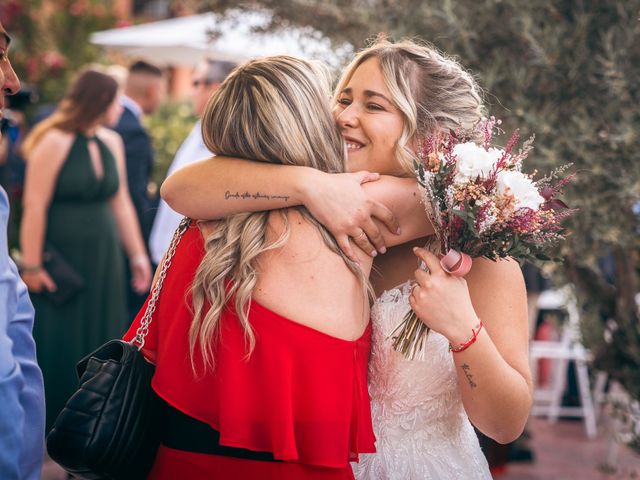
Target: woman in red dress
261, 333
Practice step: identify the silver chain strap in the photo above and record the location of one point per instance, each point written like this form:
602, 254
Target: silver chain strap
143, 329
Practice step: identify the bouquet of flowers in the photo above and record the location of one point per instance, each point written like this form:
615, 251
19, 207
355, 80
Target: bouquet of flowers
481, 204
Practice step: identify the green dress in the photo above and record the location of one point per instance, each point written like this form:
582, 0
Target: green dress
82, 228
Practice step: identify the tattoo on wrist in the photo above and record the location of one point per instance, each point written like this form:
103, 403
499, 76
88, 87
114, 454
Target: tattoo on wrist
254, 196
467, 373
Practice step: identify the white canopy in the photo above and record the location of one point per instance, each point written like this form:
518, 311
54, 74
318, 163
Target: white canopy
186, 40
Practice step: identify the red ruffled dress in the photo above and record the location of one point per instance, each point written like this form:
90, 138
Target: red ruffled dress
301, 396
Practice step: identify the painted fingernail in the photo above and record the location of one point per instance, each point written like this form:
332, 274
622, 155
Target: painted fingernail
383, 250
415, 249
374, 253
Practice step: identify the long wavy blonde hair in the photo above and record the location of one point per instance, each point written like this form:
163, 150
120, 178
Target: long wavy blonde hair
275, 110
433, 91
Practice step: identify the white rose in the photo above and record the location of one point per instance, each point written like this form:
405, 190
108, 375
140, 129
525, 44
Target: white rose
521, 187
474, 161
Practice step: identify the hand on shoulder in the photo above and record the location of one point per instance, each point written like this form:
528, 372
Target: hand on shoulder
339, 202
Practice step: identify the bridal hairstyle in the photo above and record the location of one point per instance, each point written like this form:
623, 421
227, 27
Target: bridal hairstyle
275, 110
86, 100
433, 92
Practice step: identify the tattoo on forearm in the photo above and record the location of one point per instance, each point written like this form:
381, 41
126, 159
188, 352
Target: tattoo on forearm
255, 196
467, 373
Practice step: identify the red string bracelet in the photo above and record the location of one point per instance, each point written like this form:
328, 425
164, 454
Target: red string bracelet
474, 336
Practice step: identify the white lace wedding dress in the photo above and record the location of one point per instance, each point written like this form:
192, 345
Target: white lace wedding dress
421, 427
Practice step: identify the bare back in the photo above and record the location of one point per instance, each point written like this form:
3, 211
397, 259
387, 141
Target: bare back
306, 282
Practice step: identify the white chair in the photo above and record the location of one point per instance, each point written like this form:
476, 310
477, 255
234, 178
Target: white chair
548, 401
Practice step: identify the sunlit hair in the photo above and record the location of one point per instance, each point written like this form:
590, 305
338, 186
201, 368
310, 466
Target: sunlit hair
275, 110
85, 102
433, 92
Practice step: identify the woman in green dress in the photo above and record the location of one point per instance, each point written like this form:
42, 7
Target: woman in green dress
76, 202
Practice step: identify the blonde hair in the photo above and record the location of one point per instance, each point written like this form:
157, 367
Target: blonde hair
84, 103
433, 92
276, 110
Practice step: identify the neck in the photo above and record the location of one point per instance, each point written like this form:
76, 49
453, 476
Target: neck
92, 130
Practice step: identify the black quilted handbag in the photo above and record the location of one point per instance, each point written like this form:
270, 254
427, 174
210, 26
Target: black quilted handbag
109, 428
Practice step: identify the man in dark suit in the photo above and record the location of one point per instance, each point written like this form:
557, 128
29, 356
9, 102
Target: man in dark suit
143, 93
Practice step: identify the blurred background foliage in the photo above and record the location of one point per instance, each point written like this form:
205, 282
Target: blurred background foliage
51, 40
566, 70
168, 126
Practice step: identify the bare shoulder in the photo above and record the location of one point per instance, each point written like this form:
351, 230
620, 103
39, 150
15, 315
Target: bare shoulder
489, 273
54, 137
499, 295
53, 147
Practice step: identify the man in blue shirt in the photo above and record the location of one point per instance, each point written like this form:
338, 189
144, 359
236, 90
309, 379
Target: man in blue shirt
21, 388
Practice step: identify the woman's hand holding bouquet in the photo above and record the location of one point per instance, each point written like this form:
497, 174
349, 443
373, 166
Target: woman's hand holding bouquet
481, 204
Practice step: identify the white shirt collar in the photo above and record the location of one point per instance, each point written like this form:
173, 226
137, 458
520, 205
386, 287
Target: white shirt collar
132, 105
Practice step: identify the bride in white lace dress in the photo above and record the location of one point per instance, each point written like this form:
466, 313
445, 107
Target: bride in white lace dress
389, 98
421, 427
421, 409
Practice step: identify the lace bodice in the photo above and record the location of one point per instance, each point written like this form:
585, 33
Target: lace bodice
421, 427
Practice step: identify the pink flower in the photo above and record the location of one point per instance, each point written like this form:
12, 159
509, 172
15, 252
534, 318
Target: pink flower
474, 161
54, 61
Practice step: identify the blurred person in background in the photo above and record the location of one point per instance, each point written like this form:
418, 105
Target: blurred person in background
76, 202
21, 389
14, 128
143, 93
207, 77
